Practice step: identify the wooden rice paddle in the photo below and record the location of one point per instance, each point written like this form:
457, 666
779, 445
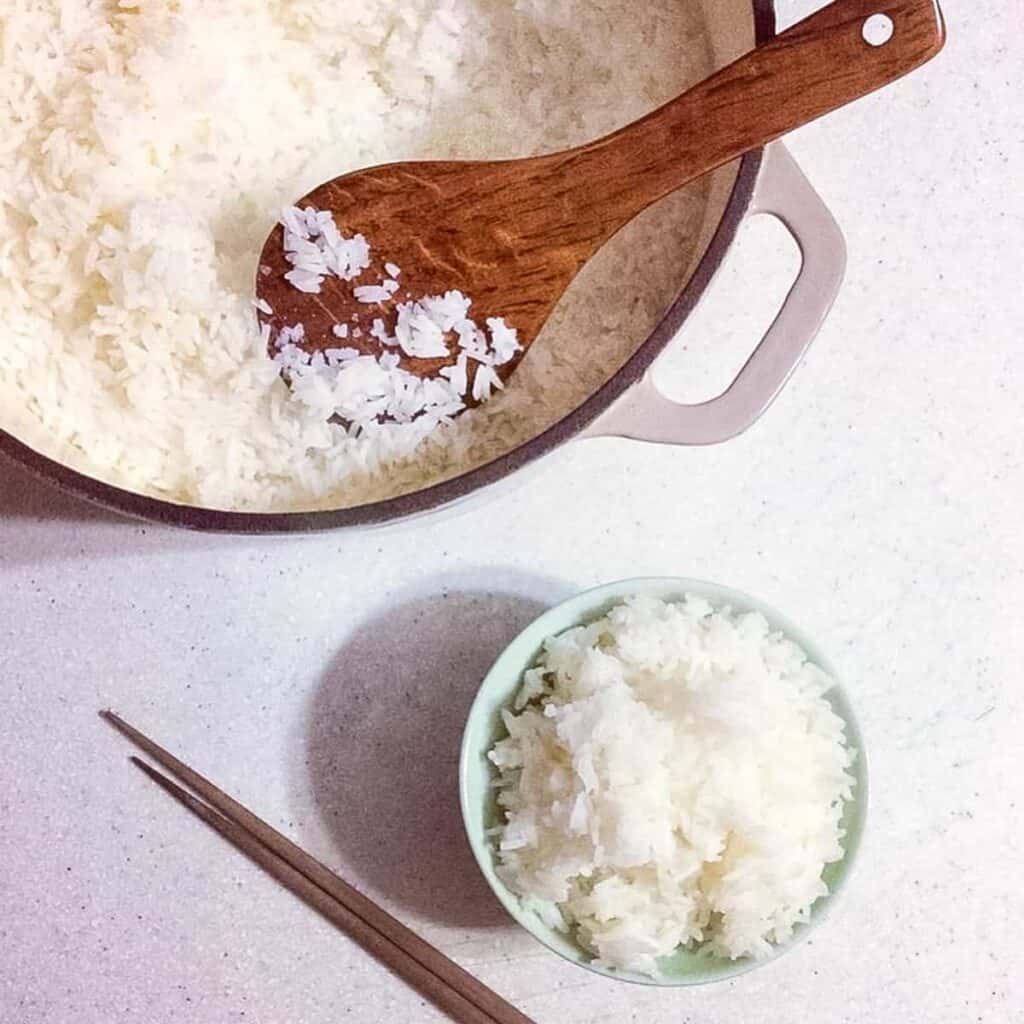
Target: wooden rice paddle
512, 234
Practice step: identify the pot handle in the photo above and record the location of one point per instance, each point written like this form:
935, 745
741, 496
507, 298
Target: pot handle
643, 413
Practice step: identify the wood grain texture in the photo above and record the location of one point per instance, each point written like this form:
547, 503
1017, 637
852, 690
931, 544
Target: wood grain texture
512, 235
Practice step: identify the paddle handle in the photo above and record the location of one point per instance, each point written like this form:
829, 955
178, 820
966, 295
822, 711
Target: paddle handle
818, 65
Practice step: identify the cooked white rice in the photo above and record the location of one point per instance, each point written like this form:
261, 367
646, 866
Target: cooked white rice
374, 394
148, 148
673, 775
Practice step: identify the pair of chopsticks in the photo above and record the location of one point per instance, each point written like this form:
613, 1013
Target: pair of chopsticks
464, 998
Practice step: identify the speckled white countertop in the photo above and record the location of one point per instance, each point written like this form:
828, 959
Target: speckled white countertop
324, 680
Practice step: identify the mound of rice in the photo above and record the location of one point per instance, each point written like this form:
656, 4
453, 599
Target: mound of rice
673, 775
148, 148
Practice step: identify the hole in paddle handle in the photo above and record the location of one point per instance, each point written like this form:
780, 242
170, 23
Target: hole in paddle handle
878, 30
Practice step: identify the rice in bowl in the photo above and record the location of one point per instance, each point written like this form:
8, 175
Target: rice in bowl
674, 776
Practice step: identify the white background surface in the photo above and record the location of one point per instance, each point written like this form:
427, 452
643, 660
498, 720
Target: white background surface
323, 680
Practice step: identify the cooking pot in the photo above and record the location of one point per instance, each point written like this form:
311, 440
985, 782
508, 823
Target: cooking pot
628, 404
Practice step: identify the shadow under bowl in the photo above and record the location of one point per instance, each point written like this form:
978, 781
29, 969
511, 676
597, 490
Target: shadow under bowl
484, 727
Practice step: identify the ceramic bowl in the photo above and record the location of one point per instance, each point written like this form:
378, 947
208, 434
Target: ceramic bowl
484, 727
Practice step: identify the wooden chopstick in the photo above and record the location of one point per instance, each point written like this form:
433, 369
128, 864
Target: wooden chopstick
454, 990
432, 986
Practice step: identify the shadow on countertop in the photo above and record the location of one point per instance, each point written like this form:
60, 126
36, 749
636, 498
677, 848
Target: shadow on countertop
383, 735
40, 522
25, 496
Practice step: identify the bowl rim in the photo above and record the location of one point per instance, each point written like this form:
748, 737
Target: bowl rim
588, 605
436, 496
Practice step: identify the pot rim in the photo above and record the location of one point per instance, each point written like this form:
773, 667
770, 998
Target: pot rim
404, 506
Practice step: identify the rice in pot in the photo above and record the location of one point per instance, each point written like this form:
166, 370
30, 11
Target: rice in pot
148, 148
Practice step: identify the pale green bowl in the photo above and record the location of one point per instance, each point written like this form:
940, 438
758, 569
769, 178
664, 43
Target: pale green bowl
484, 727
